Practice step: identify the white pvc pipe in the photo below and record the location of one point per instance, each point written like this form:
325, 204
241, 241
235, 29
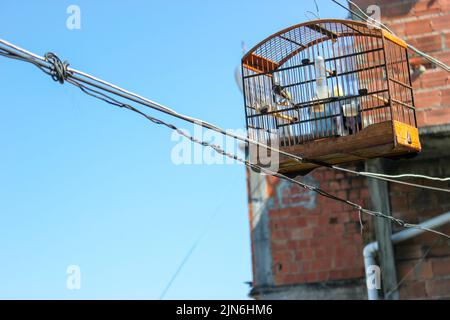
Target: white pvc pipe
371, 249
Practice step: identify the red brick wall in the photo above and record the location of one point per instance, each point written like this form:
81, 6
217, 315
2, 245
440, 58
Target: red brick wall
321, 239
423, 263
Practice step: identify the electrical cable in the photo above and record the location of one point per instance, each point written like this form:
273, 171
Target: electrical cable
388, 178
104, 97
406, 175
218, 149
59, 73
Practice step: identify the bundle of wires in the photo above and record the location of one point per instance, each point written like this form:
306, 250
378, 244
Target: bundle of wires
100, 89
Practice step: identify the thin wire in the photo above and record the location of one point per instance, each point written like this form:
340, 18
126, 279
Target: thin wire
316, 14
180, 267
194, 246
28, 53
406, 175
218, 149
388, 178
17, 57
317, 8
70, 73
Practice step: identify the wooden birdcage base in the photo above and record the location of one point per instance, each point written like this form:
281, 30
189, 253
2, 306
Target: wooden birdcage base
385, 139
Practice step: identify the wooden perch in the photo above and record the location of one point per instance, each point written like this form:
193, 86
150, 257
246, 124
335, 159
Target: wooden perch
380, 98
278, 115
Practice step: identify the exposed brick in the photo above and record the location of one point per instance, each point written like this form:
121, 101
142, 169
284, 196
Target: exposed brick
432, 78
399, 203
290, 245
441, 267
443, 56
420, 116
308, 254
336, 274
445, 94
353, 273
337, 229
437, 116
323, 276
325, 264
333, 185
418, 27
291, 279
291, 268
440, 23
442, 250
364, 193
427, 99
344, 184
409, 252
413, 290
426, 7
312, 221
280, 235
354, 195
282, 256
427, 43
357, 183
447, 40
312, 277
280, 213
351, 227
328, 175
438, 288
282, 245
341, 194
306, 267
412, 269
320, 231
320, 253
302, 233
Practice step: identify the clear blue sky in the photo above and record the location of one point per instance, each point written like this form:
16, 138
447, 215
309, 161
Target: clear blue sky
85, 183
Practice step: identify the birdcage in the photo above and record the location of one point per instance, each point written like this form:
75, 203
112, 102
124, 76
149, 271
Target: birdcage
331, 92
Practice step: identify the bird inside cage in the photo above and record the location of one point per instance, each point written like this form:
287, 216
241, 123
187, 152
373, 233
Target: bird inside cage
283, 99
283, 93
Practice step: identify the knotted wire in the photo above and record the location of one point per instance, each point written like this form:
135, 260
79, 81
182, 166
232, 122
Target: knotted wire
58, 70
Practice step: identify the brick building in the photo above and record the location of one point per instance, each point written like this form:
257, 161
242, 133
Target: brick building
305, 246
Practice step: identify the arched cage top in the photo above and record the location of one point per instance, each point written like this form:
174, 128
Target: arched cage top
281, 47
326, 86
